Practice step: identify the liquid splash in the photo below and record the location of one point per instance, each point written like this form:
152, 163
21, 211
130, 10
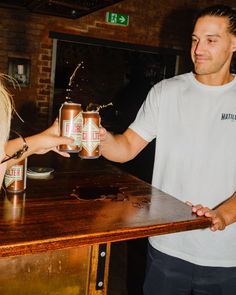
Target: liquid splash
71, 80
97, 107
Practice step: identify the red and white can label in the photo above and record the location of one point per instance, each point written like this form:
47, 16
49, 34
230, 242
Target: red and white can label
90, 136
15, 173
73, 128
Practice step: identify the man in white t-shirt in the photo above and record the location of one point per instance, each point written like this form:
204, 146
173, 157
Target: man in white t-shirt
193, 118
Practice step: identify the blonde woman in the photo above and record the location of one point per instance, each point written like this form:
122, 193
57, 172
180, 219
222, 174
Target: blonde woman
11, 151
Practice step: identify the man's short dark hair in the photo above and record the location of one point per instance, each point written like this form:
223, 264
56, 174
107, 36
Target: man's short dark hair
221, 11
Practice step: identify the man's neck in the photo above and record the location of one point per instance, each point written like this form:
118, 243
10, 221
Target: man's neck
214, 79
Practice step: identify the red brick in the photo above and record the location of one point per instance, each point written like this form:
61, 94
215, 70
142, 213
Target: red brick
153, 23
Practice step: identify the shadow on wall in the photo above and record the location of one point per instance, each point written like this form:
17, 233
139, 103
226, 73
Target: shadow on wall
29, 113
177, 28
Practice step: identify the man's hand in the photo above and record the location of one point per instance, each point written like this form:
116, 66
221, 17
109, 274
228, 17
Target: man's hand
218, 220
103, 134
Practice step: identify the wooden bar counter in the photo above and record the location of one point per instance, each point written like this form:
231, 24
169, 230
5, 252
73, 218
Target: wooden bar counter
56, 236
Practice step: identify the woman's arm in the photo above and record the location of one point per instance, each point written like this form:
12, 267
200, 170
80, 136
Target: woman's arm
40, 143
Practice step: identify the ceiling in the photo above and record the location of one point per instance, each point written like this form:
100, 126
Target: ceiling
63, 8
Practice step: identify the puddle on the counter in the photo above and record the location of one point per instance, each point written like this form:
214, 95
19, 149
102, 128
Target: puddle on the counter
98, 193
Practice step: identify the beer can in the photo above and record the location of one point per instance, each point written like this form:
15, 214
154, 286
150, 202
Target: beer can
15, 177
70, 121
90, 135
14, 205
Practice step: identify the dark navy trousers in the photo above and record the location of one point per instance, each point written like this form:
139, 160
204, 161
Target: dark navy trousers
167, 275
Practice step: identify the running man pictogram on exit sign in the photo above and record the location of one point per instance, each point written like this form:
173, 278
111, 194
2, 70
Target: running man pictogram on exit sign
117, 18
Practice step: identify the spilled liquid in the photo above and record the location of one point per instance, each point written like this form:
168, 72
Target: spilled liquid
98, 193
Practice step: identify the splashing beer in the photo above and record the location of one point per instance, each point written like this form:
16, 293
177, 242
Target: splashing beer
97, 107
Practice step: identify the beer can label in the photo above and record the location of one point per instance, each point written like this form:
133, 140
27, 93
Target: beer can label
90, 136
72, 128
15, 173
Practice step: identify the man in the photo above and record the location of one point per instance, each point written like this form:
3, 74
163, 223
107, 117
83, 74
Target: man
193, 118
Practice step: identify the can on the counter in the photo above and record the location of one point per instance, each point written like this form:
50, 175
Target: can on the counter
15, 177
90, 135
70, 121
14, 205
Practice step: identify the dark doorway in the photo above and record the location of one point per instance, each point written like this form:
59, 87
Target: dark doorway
122, 74
112, 72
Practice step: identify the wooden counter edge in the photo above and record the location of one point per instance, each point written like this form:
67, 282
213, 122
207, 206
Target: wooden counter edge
38, 246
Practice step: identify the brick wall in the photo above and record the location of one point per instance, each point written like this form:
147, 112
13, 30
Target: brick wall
159, 23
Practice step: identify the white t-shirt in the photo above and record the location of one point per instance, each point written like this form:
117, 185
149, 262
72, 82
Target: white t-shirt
195, 159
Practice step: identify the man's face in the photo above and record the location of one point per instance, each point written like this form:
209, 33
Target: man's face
212, 45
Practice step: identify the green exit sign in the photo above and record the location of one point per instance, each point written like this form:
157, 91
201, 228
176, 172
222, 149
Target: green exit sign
117, 18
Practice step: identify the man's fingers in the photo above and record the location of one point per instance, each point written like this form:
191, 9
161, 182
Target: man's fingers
200, 210
103, 133
217, 225
218, 222
189, 203
196, 207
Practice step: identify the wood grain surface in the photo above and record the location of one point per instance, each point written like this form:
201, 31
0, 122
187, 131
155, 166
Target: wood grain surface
86, 202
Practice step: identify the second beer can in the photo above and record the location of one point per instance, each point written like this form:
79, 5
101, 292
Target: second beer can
90, 135
70, 121
15, 177
14, 206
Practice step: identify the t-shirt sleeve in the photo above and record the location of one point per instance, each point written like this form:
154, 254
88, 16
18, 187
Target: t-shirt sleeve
146, 121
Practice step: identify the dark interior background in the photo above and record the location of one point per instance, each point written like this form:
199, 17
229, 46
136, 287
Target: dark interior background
116, 74
122, 76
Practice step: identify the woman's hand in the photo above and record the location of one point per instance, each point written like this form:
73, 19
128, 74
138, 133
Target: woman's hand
50, 139
40, 143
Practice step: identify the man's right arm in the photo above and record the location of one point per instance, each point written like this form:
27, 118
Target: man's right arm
121, 147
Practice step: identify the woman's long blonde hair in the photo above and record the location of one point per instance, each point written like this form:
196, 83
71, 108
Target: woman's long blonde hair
5, 113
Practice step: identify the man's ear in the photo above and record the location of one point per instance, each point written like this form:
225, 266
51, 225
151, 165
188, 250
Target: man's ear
234, 43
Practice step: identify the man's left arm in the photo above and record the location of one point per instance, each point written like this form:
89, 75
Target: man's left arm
222, 215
